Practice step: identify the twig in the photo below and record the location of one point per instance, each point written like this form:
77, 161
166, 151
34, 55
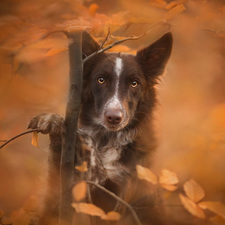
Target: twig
19, 135
120, 41
118, 199
106, 39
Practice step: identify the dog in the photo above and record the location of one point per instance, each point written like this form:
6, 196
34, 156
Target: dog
115, 122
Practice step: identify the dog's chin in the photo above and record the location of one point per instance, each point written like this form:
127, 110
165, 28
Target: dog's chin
114, 128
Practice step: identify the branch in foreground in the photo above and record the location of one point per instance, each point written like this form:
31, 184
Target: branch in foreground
119, 42
118, 199
19, 135
71, 120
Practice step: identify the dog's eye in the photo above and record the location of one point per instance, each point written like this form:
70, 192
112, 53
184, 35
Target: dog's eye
134, 83
101, 80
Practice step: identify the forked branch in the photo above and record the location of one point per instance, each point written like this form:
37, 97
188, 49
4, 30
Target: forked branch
119, 42
138, 222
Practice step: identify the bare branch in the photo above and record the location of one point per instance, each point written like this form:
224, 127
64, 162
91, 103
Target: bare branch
118, 199
120, 41
19, 135
106, 39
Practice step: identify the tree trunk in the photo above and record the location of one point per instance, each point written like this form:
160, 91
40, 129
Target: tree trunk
71, 121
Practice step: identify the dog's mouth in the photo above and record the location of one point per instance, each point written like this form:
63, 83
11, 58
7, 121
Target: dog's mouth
110, 127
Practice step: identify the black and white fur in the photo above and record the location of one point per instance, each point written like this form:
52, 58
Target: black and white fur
115, 123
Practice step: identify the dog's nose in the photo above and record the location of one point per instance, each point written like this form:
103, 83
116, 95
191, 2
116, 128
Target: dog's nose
113, 116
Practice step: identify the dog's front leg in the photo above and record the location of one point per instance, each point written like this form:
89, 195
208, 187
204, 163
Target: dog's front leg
53, 125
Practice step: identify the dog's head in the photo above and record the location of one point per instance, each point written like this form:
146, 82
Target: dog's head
118, 87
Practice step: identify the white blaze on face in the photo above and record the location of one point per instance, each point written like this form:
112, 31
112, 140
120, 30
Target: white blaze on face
118, 66
114, 102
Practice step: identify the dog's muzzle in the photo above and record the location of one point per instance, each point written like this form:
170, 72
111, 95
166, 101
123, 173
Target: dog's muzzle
113, 116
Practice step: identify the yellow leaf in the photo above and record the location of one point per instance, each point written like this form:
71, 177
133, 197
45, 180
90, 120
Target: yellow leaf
217, 220
169, 187
82, 167
35, 138
191, 207
146, 174
92, 9
168, 177
216, 207
87, 208
113, 216
174, 11
56, 50
194, 191
79, 191
1, 214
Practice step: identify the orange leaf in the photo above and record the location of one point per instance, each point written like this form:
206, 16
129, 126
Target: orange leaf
35, 139
1, 214
141, 20
113, 216
87, 208
92, 9
168, 177
194, 191
146, 174
158, 3
174, 11
56, 50
191, 207
119, 48
216, 207
82, 167
171, 5
217, 220
169, 187
79, 191
76, 24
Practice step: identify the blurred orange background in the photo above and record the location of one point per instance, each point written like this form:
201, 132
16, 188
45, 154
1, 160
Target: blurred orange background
191, 113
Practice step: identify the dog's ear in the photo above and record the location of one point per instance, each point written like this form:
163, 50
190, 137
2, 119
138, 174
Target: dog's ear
154, 57
89, 45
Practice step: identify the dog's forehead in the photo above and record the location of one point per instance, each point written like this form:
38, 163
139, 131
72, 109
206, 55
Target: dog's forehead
121, 63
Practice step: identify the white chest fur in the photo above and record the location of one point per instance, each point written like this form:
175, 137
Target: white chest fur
110, 159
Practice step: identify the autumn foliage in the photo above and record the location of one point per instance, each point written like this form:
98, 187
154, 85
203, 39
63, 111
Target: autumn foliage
188, 168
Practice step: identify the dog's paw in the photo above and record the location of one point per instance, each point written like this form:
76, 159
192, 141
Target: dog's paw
48, 123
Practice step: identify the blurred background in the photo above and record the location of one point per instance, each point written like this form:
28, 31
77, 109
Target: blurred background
191, 112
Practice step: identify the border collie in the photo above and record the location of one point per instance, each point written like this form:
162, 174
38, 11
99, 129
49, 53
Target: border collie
115, 122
